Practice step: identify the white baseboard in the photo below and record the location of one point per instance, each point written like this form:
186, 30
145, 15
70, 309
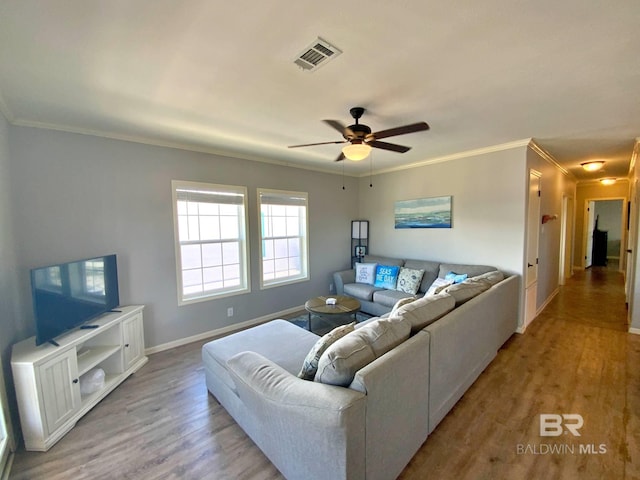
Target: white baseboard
547, 302
221, 331
6, 469
635, 331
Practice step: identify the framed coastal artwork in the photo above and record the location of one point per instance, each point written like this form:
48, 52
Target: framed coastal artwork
434, 212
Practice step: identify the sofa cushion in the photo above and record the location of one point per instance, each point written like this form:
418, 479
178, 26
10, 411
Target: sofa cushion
465, 291
387, 276
493, 277
384, 260
310, 364
409, 280
340, 362
385, 334
426, 310
400, 303
389, 298
360, 291
280, 341
366, 273
470, 270
431, 270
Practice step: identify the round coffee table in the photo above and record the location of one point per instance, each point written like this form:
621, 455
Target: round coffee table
344, 306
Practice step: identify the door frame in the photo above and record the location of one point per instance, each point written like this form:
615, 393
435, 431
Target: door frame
623, 229
567, 222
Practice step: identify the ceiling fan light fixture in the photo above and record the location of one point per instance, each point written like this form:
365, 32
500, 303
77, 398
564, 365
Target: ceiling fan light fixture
607, 181
356, 151
592, 166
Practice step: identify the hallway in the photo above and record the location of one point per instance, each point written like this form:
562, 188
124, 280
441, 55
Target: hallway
575, 358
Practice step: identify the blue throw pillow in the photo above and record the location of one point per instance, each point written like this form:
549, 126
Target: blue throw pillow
455, 277
386, 276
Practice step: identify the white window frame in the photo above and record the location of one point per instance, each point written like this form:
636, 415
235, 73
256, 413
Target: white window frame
181, 188
300, 199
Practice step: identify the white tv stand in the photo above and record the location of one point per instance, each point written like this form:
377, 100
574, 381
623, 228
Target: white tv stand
47, 377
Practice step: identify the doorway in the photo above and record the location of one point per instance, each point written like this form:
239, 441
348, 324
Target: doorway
604, 236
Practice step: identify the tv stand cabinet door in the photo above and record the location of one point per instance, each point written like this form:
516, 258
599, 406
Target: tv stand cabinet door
133, 336
60, 389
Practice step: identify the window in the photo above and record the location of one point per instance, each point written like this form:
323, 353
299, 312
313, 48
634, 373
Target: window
283, 237
210, 235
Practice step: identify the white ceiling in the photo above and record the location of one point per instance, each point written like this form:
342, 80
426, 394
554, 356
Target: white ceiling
218, 76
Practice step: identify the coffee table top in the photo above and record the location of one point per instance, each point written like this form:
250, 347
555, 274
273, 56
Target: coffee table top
344, 305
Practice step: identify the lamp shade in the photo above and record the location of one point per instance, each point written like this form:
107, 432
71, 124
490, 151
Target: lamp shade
356, 151
360, 229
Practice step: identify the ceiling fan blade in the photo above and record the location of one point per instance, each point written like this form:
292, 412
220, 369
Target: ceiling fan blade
314, 144
344, 131
389, 146
392, 132
340, 157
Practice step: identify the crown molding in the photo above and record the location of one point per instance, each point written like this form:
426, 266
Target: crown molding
175, 145
634, 155
454, 156
551, 159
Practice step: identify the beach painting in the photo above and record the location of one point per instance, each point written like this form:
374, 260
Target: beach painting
432, 212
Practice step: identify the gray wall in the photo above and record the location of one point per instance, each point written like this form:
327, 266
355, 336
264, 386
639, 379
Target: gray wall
81, 196
488, 210
12, 328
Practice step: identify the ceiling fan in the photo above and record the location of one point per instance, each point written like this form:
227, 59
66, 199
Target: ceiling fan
361, 139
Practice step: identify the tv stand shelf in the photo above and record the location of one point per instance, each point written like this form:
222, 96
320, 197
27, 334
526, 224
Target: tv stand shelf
47, 377
94, 356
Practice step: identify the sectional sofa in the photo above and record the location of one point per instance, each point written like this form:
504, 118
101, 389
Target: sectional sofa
379, 301
369, 422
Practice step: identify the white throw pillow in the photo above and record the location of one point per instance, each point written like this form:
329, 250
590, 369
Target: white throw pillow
437, 286
366, 273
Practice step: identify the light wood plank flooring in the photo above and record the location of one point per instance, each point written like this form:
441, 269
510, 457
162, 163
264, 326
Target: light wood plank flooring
575, 358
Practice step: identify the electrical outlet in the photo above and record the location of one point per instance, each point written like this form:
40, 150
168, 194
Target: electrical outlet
331, 287
230, 312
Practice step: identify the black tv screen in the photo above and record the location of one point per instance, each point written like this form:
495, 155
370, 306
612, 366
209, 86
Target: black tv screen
68, 295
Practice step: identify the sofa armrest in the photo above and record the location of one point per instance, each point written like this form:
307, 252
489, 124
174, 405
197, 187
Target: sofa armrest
343, 277
397, 388
288, 417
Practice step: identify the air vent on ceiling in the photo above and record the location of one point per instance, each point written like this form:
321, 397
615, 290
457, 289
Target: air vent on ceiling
316, 55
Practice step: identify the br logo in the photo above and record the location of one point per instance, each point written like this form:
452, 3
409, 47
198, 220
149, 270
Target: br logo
554, 425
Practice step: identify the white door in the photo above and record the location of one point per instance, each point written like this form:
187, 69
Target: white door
591, 224
533, 236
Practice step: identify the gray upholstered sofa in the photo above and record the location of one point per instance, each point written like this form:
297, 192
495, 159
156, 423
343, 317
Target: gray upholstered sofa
378, 301
371, 427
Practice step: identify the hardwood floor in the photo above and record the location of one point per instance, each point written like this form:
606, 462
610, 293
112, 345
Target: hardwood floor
576, 357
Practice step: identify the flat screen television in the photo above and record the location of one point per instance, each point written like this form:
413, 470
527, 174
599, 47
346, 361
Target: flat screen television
67, 295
